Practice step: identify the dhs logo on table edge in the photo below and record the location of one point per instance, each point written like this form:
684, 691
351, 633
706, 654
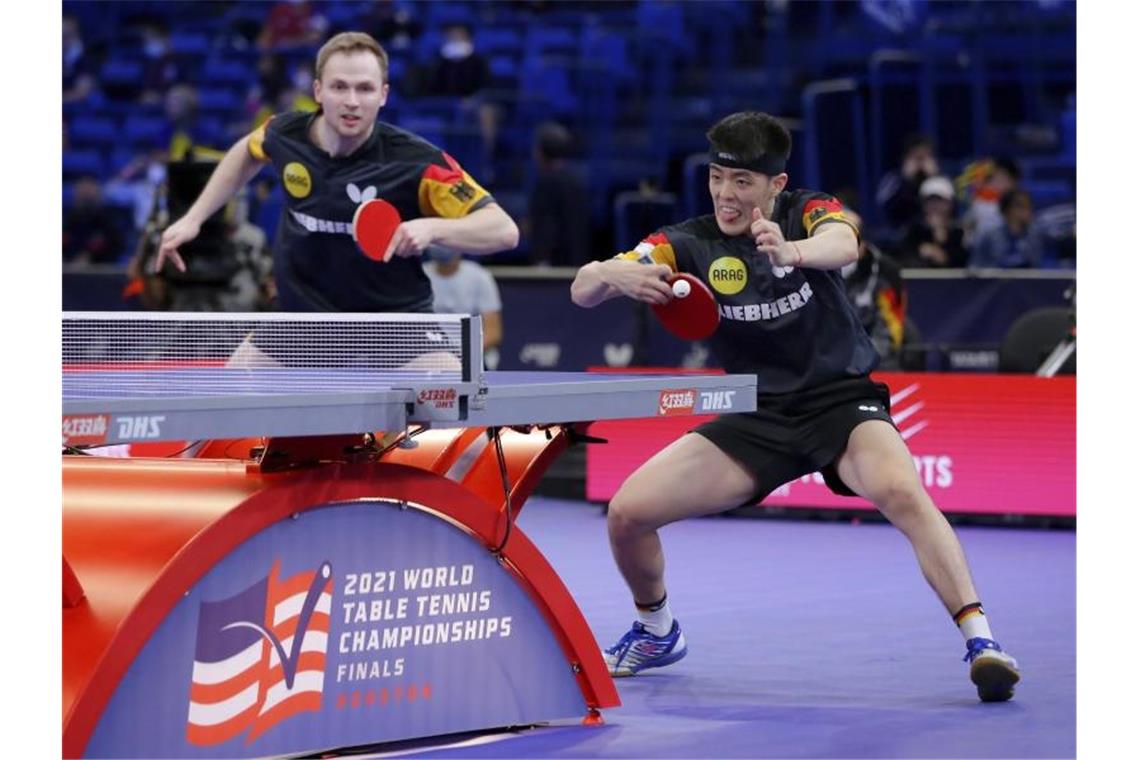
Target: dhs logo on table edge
141, 428
717, 401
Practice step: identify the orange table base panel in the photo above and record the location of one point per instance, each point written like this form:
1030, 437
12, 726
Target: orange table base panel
139, 531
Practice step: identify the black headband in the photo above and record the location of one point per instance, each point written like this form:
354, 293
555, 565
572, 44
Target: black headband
766, 163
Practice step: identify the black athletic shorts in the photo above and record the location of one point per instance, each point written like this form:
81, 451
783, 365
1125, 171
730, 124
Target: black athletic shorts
794, 434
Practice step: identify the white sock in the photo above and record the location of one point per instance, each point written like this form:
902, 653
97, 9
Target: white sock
975, 625
658, 620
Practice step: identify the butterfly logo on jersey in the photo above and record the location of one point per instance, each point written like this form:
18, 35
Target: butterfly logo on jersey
780, 272
356, 195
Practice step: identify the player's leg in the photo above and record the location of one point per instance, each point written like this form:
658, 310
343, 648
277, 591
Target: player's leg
877, 466
690, 477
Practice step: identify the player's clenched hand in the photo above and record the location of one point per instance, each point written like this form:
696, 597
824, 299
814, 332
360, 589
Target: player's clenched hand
411, 238
182, 231
769, 239
641, 282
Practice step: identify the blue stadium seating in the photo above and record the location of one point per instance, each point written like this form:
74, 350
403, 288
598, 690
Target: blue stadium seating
77, 163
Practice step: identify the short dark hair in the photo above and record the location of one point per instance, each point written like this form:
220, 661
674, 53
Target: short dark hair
1010, 197
917, 140
749, 135
1009, 166
553, 140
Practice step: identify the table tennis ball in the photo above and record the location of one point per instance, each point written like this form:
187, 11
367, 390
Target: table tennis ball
681, 288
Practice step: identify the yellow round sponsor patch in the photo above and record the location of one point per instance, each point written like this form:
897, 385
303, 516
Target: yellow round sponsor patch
297, 180
728, 275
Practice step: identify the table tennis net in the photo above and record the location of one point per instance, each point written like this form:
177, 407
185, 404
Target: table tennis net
252, 353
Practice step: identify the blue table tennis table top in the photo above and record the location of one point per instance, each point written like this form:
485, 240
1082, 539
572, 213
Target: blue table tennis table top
215, 402
217, 381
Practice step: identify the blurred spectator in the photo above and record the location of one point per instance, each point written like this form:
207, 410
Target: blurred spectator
989, 180
160, 69
90, 235
936, 239
137, 183
876, 289
291, 24
282, 93
559, 214
183, 129
1058, 226
460, 71
898, 191
272, 78
229, 266
1017, 242
78, 78
393, 26
466, 287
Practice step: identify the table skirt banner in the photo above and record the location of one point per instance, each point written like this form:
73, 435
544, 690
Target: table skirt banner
349, 624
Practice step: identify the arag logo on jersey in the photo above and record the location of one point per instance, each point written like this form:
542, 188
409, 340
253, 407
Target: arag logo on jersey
728, 275
297, 181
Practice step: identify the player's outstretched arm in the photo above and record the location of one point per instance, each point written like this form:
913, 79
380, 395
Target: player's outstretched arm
235, 169
600, 281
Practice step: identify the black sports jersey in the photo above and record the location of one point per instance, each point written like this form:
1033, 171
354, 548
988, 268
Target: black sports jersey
317, 264
793, 328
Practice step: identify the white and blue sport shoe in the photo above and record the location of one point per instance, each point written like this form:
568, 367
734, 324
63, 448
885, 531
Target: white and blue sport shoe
992, 670
639, 649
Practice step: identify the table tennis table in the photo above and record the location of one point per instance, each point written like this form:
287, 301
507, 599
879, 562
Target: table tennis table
228, 605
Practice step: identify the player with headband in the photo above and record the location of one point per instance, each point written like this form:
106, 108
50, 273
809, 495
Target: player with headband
772, 258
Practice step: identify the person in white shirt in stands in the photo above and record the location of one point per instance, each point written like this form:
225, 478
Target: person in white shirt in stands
465, 287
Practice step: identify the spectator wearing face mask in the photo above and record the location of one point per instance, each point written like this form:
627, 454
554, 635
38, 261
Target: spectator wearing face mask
459, 71
160, 69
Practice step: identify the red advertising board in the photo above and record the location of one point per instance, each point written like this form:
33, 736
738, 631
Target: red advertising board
994, 444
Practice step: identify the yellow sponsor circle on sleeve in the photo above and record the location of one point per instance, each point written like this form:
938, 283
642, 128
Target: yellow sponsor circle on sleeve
296, 179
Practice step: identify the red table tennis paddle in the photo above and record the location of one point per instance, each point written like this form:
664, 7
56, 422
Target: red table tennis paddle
691, 314
373, 226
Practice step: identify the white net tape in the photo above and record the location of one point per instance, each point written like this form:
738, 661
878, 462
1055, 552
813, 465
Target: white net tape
125, 355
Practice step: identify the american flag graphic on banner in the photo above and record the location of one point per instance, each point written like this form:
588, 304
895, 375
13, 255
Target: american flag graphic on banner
259, 657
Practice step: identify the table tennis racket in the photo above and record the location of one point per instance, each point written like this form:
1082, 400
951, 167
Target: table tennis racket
691, 314
373, 226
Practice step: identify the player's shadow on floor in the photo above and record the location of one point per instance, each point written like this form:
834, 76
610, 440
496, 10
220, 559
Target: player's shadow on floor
701, 698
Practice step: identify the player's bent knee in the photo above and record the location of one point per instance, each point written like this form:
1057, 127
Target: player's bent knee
900, 498
630, 513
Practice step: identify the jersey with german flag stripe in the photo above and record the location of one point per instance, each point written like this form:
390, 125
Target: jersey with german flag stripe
317, 265
793, 328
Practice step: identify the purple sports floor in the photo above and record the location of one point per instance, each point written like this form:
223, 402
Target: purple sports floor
815, 640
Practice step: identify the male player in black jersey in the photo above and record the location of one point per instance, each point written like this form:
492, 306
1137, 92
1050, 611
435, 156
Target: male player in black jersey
772, 257
329, 163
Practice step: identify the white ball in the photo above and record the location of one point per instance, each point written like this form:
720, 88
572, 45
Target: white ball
681, 288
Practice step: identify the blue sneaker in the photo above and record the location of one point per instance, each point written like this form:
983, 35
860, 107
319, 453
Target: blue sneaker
992, 670
639, 649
